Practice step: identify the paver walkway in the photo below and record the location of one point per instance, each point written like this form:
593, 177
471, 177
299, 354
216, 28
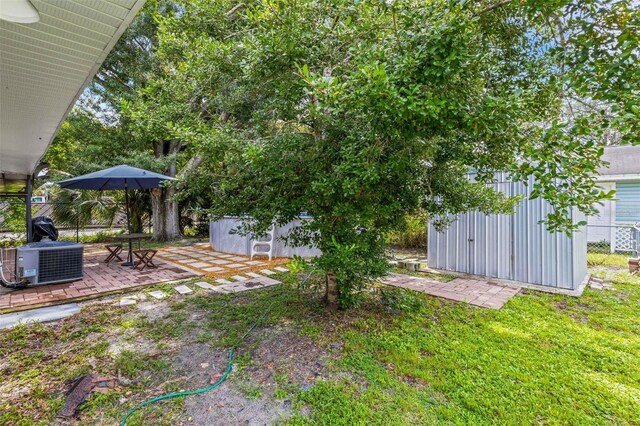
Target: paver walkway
475, 292
202, 258
98, 279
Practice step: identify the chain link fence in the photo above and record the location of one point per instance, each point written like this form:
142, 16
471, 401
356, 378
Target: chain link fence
13, 223
613, 239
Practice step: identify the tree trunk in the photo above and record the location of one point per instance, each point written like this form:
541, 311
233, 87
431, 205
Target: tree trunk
331, 295
172, 216
165, 212
158, 213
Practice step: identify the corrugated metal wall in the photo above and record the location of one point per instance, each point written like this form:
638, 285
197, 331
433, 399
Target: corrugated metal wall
513, 247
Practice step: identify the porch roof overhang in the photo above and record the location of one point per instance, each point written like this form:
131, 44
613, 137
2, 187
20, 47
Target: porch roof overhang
44, 68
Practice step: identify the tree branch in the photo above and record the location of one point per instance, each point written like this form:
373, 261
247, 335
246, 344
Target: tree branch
492, 6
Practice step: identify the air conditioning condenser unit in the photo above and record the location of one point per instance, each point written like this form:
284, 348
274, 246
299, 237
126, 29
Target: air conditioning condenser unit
49, 262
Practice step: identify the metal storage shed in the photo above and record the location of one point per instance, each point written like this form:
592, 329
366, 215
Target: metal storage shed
513, 247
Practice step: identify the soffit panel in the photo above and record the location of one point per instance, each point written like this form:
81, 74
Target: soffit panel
44, 67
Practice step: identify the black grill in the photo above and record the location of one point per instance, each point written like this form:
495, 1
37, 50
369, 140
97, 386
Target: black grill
60, 265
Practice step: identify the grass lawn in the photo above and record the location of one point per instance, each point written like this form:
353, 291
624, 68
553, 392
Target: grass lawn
401, 358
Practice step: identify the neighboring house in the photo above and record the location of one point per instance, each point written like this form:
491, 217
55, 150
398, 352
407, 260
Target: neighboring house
617, 216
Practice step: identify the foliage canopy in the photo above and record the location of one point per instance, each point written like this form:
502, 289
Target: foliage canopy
361, 112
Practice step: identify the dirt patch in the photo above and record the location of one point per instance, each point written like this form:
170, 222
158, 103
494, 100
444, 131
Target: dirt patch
284, 351
228, 405
258, 391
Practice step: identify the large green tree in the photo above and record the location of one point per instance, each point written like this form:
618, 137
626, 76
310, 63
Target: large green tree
362, 112
104, 129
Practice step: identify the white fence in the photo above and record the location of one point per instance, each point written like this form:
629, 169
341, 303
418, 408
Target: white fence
623, 238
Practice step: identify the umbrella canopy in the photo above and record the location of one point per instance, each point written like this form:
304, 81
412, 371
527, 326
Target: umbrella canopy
118, 177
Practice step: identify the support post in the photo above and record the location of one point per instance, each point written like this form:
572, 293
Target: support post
129, 261
28, 218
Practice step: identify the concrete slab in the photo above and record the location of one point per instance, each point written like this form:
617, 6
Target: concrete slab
51, 313
239, 278
267, 281
267, 272
253, 275
183, 289
213, 269
281, 269
128, 301
236, 266
205, 285
158, 294
223, 281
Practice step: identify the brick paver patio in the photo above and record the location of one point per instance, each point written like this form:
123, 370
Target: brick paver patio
174, 264
99, 279
475, 292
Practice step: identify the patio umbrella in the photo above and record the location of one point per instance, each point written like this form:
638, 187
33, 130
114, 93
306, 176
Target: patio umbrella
118, 177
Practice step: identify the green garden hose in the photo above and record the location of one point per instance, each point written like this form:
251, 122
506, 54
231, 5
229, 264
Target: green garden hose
208, 388
203, 390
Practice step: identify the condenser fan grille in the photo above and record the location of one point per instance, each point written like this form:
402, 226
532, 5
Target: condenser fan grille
60, 265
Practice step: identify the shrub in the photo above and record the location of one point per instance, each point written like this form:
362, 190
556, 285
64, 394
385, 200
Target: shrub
413, 235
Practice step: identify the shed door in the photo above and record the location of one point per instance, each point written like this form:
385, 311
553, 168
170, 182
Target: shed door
490, 242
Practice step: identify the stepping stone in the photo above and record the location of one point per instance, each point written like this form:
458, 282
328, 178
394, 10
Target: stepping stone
183, 289
253, 284
205, 285
238, 258
255, 262
281, 269
268, 281
267, 272
223, 281
237, 288
236, 266
213, 269
230, 288
221, 289
128, 301
219, 261
253, 275
200, 265
239, 278
158, 294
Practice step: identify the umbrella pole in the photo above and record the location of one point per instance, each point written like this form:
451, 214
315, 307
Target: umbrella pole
129, 261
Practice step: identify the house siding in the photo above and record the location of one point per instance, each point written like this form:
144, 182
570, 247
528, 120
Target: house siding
628, 202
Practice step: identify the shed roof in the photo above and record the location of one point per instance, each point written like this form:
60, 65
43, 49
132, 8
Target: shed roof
624, 163
45, 66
